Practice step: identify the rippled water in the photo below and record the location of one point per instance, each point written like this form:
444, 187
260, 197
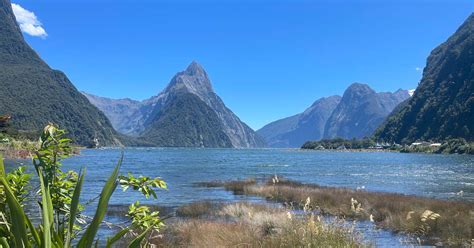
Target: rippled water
437, 176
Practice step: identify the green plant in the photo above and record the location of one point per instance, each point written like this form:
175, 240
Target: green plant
61, 218
143, 184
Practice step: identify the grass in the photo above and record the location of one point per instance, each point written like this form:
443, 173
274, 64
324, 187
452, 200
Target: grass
435, 221
19, 148
253, 225
197, 209
13, 148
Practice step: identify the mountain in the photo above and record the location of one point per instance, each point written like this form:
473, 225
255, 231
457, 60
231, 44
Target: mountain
360, 111
356, 115
153, 119
442, 106
293, 131
119, 111
186, 121
34, 94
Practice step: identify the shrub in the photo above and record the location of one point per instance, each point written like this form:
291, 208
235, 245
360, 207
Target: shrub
61, 219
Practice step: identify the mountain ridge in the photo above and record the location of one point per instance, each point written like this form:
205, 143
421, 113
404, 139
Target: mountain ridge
193, 80
293, 131
34, 94
360, 111
331, 117
442, 107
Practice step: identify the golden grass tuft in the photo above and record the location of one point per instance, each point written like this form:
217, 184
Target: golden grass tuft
254, 225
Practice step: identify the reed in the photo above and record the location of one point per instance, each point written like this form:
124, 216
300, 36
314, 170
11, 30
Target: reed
255, 225
441, 222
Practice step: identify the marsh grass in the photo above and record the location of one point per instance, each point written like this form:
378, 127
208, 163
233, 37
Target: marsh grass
198, 209
255, 225
450, 223
13, 148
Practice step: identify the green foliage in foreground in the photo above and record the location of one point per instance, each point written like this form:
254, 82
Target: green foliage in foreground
62, 223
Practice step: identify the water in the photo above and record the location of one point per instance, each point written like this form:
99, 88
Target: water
437, 176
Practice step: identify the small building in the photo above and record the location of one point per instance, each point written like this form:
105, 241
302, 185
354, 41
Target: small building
320, 147
435, 145
342, 147
378, 146
421, 143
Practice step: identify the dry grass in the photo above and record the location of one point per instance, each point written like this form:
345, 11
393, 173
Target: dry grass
251, 225
197, 209
234, 186
434, 221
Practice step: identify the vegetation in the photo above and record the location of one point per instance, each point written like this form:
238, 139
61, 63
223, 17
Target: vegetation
451, 146
442, 106
460, 146
14, 148
253, 225
429, 219
61, 223
339, 143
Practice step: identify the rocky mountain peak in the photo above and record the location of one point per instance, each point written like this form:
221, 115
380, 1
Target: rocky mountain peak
359, 87
401, 93
357, 90
192, 80
195, 69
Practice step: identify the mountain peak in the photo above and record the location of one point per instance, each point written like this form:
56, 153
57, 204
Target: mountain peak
357, 90
195, 69
359, 86
193, 80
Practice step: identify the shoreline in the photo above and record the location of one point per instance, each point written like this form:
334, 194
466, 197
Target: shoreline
23, 154
353, 150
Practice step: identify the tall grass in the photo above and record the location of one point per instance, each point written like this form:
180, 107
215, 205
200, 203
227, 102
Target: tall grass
255, 225
444, 222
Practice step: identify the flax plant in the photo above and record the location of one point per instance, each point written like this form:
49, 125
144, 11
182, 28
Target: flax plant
61, 223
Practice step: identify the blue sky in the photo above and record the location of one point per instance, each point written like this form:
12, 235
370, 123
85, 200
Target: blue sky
266, 59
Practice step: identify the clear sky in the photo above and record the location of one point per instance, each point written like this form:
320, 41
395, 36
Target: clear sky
266, 59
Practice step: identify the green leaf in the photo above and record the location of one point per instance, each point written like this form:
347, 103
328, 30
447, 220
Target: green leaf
116, 237
2, 167
33, 231
17, 216
74, 208
138, 240
87, 239
47, 211
4, 243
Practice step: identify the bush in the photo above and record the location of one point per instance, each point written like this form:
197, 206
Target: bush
61, 219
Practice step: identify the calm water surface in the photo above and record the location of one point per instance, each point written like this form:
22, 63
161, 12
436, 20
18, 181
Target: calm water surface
437, 176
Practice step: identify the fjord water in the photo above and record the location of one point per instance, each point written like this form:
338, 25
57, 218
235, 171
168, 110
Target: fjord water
437, 176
